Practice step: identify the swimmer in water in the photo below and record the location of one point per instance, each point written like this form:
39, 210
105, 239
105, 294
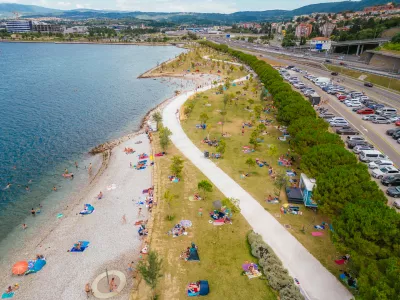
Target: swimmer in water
27, 189
90, 167
66, 171
8, 186
76, 165
54, 188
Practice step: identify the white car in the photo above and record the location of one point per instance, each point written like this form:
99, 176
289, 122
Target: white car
354, 104
369, 117
339, 123
380, 172
337, 119
380, 164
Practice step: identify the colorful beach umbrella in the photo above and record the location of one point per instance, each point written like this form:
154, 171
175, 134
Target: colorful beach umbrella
20, 268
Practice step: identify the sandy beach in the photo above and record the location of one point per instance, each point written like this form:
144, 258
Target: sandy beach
112, 244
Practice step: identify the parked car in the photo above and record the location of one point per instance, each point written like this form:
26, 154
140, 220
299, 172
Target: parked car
394, 119
342, 63
342, 97
393, 192
365, 111
328, 60
376, 106
397, 123
371, 155
396, 135
354, 104
392, 131
339, 123
391, 180
381, 120
359, 148
347, 130
354, 138
368, 84
380, 164
327, 116
352, 144
334, 73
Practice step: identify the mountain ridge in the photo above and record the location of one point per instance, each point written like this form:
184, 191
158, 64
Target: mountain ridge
6, 9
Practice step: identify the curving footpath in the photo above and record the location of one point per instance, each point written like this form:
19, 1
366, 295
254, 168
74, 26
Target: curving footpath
316, 281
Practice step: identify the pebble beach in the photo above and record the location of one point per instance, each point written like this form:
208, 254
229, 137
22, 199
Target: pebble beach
113, 244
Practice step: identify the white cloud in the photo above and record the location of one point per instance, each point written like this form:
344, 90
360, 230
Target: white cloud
64, 3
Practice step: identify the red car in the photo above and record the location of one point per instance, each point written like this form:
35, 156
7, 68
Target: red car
366, 111
397, 123
342, 97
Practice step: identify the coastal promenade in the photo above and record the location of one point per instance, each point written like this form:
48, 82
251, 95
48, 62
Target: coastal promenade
317, 283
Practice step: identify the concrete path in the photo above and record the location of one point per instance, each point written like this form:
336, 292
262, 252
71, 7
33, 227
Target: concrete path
316, 281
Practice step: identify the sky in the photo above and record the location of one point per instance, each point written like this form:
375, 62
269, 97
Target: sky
218, 6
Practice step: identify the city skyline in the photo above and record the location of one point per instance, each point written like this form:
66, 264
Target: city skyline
207, 6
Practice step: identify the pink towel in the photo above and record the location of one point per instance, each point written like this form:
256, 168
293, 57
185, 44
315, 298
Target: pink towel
317, 233
340, 261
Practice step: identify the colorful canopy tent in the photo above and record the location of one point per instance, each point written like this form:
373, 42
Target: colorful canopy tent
199, 288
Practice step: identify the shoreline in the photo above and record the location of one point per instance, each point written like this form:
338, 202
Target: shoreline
179, 45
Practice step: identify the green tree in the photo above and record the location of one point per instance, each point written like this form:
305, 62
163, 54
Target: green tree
300, 124
250, 101
203, 118
251, 163
320, 159
205, 187
257, 111
150, 269
221, 147
220, 89
308, 138
164, 135
342, 185
272, 151
369, 227
223, 114
254, 139
177, 166
169, 199
396, 38
280, 182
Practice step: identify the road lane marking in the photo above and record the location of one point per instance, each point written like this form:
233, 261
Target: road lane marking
364, 128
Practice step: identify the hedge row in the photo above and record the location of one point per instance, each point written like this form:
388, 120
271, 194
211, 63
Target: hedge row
364, 226
277, 276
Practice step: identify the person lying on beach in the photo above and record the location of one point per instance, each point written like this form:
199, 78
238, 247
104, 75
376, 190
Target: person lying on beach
9, 289
113, 285
39, 256
100, 195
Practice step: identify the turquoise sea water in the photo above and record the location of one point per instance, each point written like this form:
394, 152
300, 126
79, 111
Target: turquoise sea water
57, 101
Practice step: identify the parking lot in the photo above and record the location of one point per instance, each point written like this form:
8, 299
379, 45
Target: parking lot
346, 111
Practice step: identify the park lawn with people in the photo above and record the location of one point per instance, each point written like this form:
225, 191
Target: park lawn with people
198, 61
222, 249
242, 104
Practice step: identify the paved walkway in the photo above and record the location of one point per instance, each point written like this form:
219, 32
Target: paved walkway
316, 282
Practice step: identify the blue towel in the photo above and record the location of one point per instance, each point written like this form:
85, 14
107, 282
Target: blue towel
84, 245
7, 295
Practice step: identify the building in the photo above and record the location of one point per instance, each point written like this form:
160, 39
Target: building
303, 30
18, 26
76, 29
47, 28
321, 43
378, 8
327, 29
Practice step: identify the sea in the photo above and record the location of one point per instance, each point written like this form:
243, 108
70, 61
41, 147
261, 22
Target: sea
57, 101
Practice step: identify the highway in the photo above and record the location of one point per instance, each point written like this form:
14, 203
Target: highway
385, 96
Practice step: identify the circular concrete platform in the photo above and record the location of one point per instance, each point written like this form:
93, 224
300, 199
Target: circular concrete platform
100, 286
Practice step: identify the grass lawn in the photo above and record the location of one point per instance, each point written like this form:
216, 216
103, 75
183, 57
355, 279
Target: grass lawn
222, 249
259, 184
375, 79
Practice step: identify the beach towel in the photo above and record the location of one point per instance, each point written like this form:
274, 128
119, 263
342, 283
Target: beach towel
60, 215
290, 174
88, 210
253, 275
186, 223
159, 154
84, 245
320, 227
194, 255
340, 261
7, 295
317, 233
218, 222
111, 187
331, 227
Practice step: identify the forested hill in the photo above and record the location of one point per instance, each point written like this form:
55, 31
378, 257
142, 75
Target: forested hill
6, 9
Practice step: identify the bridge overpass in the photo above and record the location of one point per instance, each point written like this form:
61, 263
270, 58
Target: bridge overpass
360, 44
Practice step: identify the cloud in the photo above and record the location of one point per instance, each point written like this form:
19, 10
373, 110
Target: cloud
222, 6
64, 3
